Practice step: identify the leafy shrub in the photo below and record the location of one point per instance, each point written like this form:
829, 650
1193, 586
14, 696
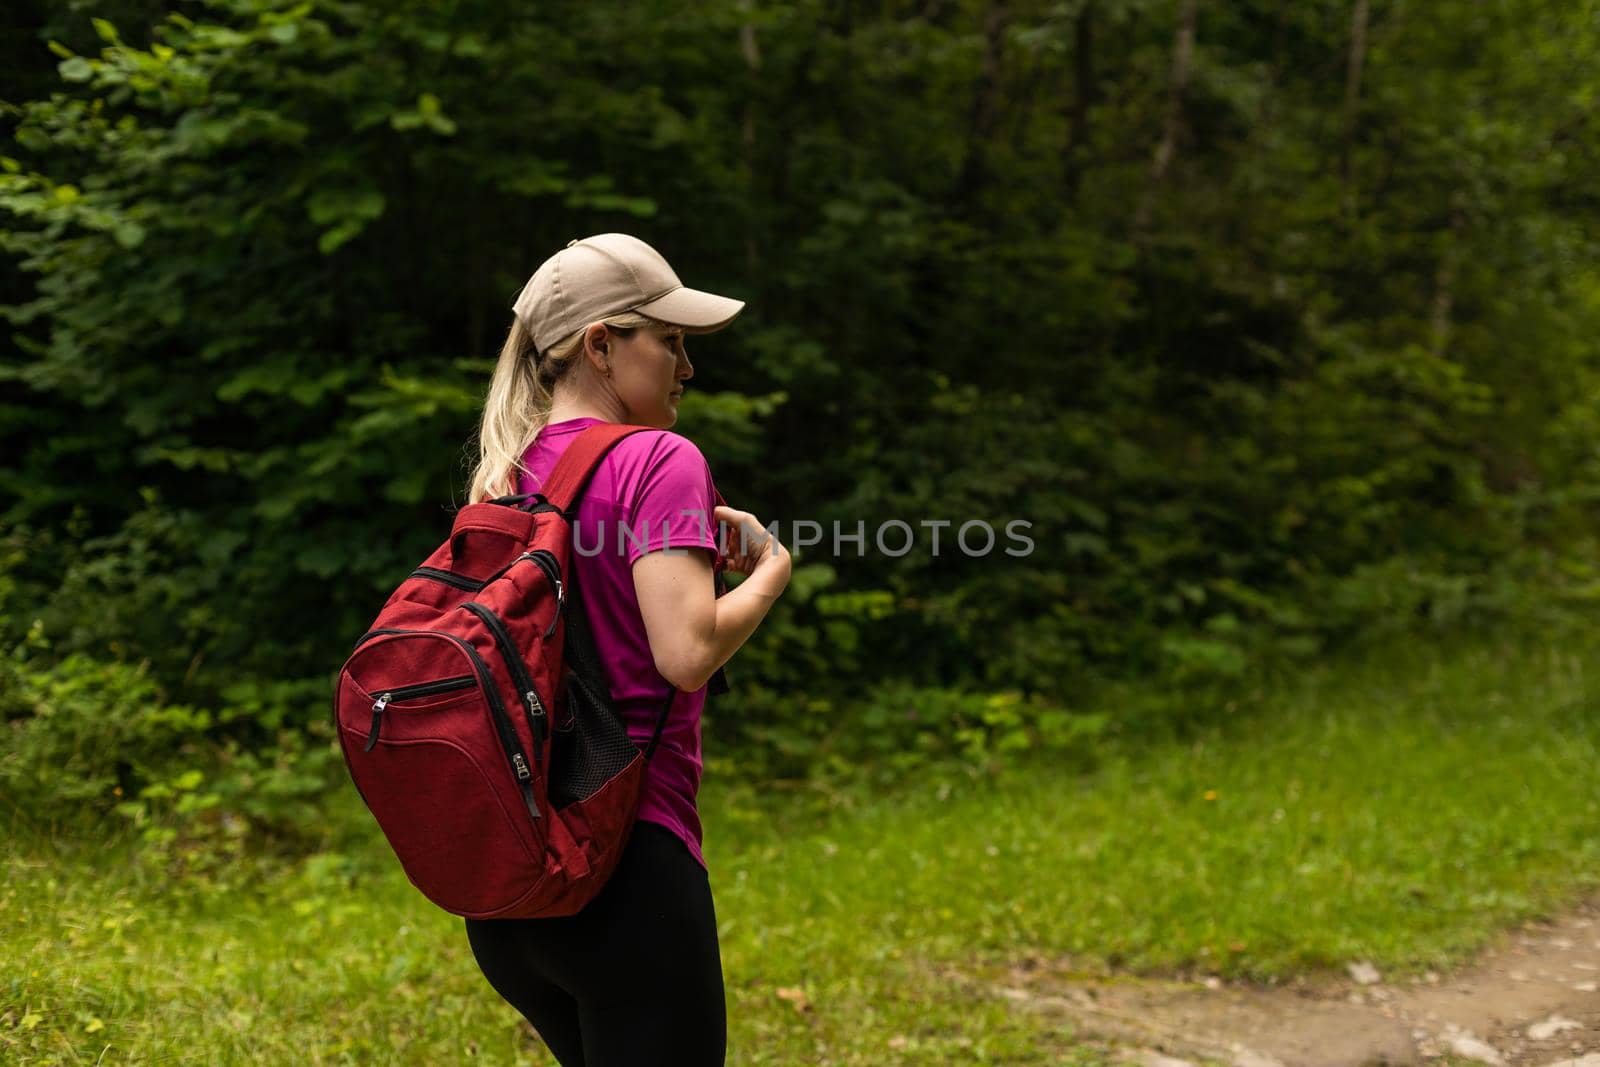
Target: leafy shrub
83, 734
90, 740
896, 729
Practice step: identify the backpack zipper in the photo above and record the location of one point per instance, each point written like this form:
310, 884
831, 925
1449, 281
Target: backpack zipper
410, 692
537, 719
541, 556
471, 585
370, 634
546, 561
497, 711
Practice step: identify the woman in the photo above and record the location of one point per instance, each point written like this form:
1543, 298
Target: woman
635, 977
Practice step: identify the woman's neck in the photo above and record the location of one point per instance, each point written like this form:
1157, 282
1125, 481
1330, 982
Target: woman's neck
565, 407
578, 410
568, 414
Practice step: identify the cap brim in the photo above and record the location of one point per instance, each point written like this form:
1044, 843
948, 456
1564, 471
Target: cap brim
693, 309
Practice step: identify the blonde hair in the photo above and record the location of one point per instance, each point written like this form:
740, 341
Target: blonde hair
517, 406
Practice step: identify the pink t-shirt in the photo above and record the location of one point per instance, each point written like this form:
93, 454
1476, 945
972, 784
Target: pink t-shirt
651, 491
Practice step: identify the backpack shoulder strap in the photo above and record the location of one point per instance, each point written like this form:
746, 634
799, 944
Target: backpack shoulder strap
578, 462
563, 489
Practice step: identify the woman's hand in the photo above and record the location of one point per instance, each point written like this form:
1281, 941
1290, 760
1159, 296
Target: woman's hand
751, 546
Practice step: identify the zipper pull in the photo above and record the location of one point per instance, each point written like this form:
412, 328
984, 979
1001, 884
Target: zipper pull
527, 798
377, 717
537, 716
561, 605
526, 780
499, 573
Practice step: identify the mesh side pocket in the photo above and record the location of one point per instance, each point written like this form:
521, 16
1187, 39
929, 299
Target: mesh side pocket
594, 750
592, 745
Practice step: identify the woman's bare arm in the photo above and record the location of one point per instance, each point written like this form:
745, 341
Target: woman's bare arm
692, 631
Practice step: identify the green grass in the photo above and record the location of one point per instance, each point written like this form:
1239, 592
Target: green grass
1399, 807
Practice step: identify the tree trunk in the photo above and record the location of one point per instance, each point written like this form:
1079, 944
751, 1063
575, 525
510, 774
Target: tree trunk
1077, 147
752, 61
1167, 148
480, 271
974, 164
1280, 22
1440, 323
1352, 98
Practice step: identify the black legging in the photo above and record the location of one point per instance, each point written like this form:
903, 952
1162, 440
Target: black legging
633, 979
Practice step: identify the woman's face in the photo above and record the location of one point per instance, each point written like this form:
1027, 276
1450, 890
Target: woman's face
648, 371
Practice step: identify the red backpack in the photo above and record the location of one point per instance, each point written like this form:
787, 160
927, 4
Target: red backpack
476, 720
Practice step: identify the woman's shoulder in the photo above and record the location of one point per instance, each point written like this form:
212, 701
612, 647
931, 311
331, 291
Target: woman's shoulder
652, 447
658, 473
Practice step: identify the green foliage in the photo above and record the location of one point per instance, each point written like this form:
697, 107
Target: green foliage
1264, 362
896, 731
88, 742
80, 733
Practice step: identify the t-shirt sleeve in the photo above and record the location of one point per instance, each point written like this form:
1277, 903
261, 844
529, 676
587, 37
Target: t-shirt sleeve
673, 505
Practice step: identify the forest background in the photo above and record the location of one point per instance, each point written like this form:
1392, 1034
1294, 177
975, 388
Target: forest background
1276, 320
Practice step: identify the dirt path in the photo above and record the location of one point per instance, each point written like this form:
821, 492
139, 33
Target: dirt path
1533, 1000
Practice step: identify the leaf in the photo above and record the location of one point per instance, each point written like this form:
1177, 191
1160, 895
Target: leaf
271, 375
428, 112
333, 239
639, 206
76, 69
795, 996
129, 235
32, 138
350, 208
339, 204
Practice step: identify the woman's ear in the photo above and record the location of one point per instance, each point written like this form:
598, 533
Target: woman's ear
597, 347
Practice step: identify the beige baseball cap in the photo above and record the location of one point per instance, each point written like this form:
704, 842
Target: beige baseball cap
607, 274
